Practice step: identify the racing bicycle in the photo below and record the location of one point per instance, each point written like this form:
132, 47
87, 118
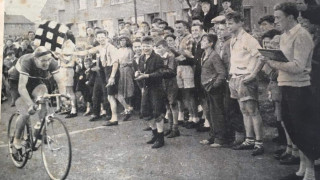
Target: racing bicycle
51, 135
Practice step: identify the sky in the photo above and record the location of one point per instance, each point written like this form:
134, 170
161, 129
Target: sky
29, 8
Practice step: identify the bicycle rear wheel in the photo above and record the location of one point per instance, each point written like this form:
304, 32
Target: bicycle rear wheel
19, 159
56, 148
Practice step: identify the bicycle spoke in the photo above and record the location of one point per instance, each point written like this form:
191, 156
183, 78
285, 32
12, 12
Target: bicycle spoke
56, 151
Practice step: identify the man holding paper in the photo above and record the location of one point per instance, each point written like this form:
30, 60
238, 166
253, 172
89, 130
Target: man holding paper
294, 79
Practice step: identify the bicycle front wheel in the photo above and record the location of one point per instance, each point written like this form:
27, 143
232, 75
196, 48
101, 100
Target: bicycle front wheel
56, 148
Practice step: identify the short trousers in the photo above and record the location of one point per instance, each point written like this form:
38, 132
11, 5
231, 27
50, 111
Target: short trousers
37, 91
113, 89
67, 75
152, 103
185, 77
241, 91
171, 91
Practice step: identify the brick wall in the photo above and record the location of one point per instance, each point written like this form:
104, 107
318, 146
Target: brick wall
17, 29
110, 14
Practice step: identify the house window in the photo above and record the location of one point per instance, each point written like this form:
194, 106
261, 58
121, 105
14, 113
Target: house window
98, 3
265, 10
114, 2
82, 4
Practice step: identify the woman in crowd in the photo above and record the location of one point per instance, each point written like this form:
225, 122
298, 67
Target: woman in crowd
125, 84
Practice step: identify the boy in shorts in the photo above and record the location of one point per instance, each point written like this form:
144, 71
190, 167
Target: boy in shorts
244, 66
170, 88
152, 91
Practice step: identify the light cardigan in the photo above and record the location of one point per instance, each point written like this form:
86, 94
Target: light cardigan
297, 45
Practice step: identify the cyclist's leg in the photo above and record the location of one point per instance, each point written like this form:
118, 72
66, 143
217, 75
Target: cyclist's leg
38, 91
22, 119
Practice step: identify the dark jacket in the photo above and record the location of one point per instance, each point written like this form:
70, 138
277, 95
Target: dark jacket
213, 72
208, 17
226, 54
171, 63
21, 52
151, 66
197, 53
197, 12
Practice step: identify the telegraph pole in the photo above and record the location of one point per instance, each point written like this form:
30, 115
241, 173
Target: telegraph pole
135, 11
160, 9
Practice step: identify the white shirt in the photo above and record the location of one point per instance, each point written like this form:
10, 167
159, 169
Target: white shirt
244, 53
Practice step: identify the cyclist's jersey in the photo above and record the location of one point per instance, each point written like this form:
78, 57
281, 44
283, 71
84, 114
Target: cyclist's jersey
26, 65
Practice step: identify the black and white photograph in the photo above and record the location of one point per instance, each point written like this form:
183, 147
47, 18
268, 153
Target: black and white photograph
160, 89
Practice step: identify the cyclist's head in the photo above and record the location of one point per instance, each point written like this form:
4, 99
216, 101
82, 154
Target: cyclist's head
42, 58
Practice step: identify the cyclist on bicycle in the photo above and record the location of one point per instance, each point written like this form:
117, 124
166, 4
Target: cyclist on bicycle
31, 70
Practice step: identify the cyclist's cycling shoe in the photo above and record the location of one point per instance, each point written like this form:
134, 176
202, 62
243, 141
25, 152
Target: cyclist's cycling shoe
17, 154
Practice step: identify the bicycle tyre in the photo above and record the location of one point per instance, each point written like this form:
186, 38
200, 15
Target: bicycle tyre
55, 171
11, 126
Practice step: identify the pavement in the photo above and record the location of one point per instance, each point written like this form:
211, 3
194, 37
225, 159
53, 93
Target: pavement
120, 152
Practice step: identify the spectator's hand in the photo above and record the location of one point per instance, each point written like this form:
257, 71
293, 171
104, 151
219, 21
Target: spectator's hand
111, 81
264, 59
137, 74
87, 83
32, 109
181, 58
248, 79
81, 77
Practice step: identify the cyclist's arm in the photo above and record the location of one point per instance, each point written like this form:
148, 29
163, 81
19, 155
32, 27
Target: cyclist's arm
22, 88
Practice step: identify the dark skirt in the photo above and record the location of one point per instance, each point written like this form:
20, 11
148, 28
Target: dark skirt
300, 120
126, 82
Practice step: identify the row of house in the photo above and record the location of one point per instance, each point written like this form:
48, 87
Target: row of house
79, 14
16, 25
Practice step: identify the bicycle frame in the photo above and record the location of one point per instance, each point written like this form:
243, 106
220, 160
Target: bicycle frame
43, 123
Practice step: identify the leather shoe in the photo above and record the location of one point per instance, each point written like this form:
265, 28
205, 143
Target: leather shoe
277, 154
244, 147
203, 129
71, 115
291, 160
111, 123
127, 117
159, 142
284, 155
257, 151
167, 132
147, 129
292, 177
94, 118
190, 125
174, 133
180, 123
186, 124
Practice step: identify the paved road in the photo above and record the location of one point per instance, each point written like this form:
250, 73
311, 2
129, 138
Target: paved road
121, 153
